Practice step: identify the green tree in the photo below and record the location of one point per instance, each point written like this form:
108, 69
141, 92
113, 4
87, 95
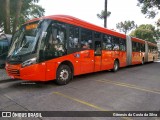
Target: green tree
126, 26
103, 15
16, 12
149, 7
146, 32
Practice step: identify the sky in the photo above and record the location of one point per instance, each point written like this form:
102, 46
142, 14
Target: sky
87, 10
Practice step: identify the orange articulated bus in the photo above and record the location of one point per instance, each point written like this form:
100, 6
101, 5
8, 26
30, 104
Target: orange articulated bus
59, 47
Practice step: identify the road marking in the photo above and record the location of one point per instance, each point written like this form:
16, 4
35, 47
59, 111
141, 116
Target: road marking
129, 86
80, 101
86, 103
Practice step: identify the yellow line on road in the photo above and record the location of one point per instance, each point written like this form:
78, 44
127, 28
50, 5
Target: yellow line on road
85, 103
129, 86
80, 101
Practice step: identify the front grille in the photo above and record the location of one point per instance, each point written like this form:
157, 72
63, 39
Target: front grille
14, 72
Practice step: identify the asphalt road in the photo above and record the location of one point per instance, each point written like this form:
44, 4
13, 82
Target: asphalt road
135, 88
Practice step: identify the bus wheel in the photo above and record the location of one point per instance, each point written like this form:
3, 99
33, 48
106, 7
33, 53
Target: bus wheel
64, 75
116, 66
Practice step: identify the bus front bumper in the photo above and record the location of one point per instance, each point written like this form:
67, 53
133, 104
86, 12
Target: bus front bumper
34, 72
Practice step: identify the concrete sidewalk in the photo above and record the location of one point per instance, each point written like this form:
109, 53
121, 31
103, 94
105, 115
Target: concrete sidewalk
3, 75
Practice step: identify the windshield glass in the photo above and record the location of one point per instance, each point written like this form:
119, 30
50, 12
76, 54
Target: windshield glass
25, 39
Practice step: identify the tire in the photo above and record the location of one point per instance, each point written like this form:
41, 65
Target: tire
63, 75
116, 66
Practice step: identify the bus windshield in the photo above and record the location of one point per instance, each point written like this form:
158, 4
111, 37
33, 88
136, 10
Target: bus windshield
26, 38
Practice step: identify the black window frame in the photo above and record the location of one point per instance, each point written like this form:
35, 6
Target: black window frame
86, 43
74, 36
52, 48
123, 43
115, 43
107, 42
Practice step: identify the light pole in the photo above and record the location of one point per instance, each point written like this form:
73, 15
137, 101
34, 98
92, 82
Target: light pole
105, 12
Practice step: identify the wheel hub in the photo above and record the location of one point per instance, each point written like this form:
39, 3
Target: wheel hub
64, 75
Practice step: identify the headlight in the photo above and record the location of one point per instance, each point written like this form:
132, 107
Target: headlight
29, 62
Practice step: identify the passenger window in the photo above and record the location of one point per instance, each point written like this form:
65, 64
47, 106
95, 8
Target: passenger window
56, 41
115, 43
86, 39
133, 46
142, 47
138, 47
107, 42
74, 37
122, 44
97, 35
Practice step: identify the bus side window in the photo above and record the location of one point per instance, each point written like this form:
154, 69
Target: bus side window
56, 41
137, 47
73, 37
142, 47
115, 43
107, 42
122, 44
133, 46
86, 39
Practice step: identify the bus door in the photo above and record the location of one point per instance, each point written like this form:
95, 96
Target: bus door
97, 55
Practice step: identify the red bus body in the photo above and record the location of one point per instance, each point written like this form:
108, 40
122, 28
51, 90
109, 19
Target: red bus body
84, 61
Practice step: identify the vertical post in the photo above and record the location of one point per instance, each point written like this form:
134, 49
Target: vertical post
105, 16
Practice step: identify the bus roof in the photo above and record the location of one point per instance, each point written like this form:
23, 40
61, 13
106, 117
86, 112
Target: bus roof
78, 22
138, 40
75, 21
152, 44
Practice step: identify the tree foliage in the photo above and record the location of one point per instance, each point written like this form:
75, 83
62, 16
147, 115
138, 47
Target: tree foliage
146, 32
18, 11
126, 26
149, 7
104, 14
